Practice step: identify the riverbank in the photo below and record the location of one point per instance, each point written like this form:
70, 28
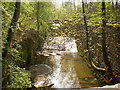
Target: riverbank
109, 87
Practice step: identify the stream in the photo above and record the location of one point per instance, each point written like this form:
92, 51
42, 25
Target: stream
69, 70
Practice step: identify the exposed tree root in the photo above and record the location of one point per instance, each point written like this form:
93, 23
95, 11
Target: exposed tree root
97, 68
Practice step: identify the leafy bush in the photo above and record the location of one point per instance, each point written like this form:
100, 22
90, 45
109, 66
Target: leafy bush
16, 56
18, 77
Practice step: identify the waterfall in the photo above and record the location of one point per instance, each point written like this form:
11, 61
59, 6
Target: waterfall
60, 44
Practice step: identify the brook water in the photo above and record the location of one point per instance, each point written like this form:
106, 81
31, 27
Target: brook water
69, 70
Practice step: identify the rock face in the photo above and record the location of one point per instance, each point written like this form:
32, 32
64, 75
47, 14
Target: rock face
40, 73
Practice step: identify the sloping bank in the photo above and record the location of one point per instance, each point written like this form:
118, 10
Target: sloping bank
107, 87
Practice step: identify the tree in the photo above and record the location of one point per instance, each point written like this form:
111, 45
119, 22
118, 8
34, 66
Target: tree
12, 27
86, 28
109, 72
116, 10
10, 35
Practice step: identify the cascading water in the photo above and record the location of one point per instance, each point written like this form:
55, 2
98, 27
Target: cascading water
68, 68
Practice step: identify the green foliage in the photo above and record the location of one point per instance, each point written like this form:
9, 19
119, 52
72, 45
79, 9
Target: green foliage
27, 15
34, 15
7, 13
16, 56
18, 77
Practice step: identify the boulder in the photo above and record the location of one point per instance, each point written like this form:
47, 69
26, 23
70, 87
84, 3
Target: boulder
40, 73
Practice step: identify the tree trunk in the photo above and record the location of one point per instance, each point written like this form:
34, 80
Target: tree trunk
86, 28
12, 27
74, 5
109, 71
9, 39
85, 23
116, 9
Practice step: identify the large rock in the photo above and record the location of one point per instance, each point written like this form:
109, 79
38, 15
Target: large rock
40, 69
40, 73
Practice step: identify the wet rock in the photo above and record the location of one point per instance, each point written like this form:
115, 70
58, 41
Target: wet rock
52, 53
59, 53
43, 54
40, 69
40, 73
41, 81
